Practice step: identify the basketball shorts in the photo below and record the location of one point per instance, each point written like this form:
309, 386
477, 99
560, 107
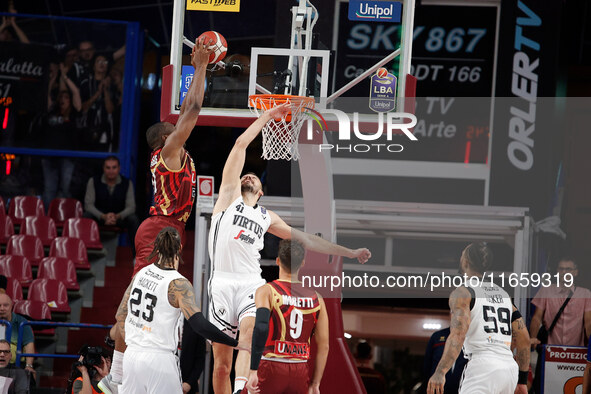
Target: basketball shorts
231, 299
150, 372
282, 378
489, 375
146, 235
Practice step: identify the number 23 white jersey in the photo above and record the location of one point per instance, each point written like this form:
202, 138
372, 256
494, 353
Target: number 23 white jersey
152, 322
490, 322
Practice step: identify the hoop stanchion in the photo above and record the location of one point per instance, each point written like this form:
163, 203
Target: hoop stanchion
280, 136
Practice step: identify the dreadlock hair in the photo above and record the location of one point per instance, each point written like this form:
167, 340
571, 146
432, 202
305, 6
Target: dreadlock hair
155, 132
167, 246
479, 256
291, 255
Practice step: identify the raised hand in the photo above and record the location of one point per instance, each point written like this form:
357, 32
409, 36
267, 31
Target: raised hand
201, 51
362, 255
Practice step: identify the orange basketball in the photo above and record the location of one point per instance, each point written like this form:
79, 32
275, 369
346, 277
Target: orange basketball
219, 46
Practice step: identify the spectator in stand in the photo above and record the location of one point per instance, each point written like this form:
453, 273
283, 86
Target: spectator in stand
433, 354
82, 68
7, 314
60, 131
9, 30
97, 105
373, 380
574, 322
110, 199
20, 377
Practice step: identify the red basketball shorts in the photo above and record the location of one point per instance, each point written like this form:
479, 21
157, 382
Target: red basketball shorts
282, 378
146, 235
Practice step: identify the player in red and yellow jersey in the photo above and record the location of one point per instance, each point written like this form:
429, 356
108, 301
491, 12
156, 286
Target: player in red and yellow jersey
173, 180
171, 166
288, 316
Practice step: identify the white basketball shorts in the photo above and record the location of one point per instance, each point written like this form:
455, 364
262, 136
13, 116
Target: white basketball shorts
150, 372
231, 299
490, 375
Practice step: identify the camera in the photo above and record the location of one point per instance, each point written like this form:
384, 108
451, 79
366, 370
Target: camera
92, 356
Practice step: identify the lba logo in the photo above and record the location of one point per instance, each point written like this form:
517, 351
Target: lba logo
395, 123
375, 11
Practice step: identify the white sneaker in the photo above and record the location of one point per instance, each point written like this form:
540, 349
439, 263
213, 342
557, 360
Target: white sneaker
108, 386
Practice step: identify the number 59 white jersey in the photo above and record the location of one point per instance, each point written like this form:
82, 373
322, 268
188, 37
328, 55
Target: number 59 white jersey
152, 322
490, 322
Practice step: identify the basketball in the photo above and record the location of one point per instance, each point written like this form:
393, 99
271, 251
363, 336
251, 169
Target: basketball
382, 72
220, 46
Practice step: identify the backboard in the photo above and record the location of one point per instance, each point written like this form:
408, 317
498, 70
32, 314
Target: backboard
295, 50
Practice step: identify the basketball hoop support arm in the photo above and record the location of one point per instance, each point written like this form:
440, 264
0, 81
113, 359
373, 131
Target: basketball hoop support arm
301, 15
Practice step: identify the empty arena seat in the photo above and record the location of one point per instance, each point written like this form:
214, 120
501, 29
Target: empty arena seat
62, 209
70, 248
29, 246
61, 269
16, 267
35, 310
40, 226
6, 229
85, 229
22, 206
51, 291
14, 289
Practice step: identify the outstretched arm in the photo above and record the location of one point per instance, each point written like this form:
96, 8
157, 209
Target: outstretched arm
230, 186
459, 303
313, 242
181, 295
521, 339
171, 152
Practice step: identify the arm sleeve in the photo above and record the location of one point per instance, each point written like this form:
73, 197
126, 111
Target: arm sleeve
89, 199
259, 337
201, 326
192, 355
129, 202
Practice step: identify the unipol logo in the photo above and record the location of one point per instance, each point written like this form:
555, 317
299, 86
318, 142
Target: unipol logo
375, 11
388, 124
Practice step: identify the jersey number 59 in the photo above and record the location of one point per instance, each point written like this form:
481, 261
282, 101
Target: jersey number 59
503, 316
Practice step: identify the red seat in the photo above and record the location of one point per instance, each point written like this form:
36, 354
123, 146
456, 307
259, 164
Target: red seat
85, 229
29, 246
62, 209
14, 289
16, 267
51, 291
70, 248
22, 206
6, 229
59, 268
41, 226
35, 310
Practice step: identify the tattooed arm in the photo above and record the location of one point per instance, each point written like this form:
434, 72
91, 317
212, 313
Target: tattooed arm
181, 295
459, 303
122, 311
522, 342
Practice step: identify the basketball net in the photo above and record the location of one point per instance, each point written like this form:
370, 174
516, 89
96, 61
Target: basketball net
280, 136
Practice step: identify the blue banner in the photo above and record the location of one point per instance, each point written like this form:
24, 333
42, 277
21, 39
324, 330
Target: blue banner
375, 11
186, 78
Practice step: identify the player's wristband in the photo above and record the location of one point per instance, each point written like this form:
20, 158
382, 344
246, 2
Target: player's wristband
522, 379
259, 337
201, 326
